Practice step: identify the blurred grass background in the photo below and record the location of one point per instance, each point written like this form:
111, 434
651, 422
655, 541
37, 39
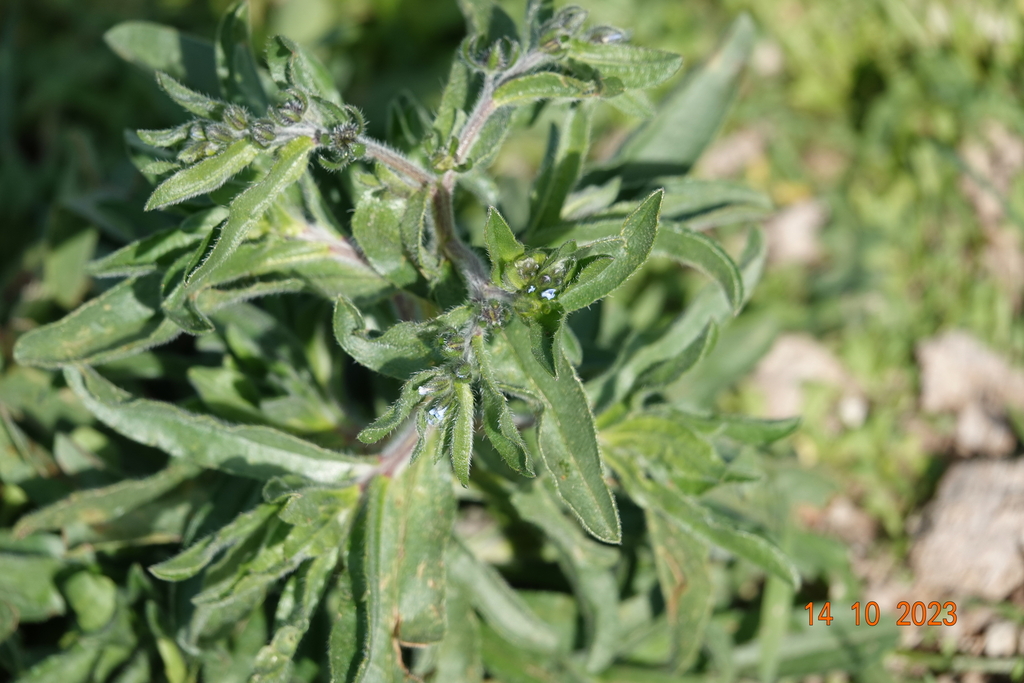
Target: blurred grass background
888, 132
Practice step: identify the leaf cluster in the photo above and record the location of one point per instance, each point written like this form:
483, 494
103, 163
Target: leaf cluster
475, 376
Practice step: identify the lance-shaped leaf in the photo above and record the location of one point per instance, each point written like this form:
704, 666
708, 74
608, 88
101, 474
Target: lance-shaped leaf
204, 177
502, 246
457, 431
701, 252
669, 451
641, 353
258, 452
166, 137
454, 101
566, 437
699, 521
567, 150
544, 85
148, 254
665, 372
273, 663
749, 430
586, 563
191, 561
155, 47
456, 659
498, 603
684, 572
413, 228
689, 117
375, 590
122, 321
99, 505
188, 99
512, 664
419, 516
636, 67
377, 227
500, 428
399, 411
403, 348
498, 423
706, 204
602, 278
245, 210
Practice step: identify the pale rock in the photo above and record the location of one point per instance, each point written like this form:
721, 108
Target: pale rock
768, 58
731, 155
977, 432
1001, 639
794, 360
973, 532
960, 374
793, 233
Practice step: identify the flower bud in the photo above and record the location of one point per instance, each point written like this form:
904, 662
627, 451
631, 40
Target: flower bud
606, 35
236, 117
263, 132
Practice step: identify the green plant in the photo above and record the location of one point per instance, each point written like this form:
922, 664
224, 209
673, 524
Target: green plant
306, 555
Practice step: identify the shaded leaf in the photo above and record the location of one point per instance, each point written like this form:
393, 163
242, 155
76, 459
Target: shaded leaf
587, 564
99, 505
498, 603
567, 150
684, 572
156, 47
191, 561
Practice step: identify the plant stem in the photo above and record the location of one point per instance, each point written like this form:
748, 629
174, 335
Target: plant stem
395, 160
485, 105
465, 259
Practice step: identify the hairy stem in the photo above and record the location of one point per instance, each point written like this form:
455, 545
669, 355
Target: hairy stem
465, 259
395, 160
485, 105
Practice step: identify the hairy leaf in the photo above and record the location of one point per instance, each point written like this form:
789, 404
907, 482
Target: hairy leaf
123, 321
671, 142
258, 452
636, 67
502, 246
704, 254
567, 440
204, 177
600, 279
403, 349
544, 85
